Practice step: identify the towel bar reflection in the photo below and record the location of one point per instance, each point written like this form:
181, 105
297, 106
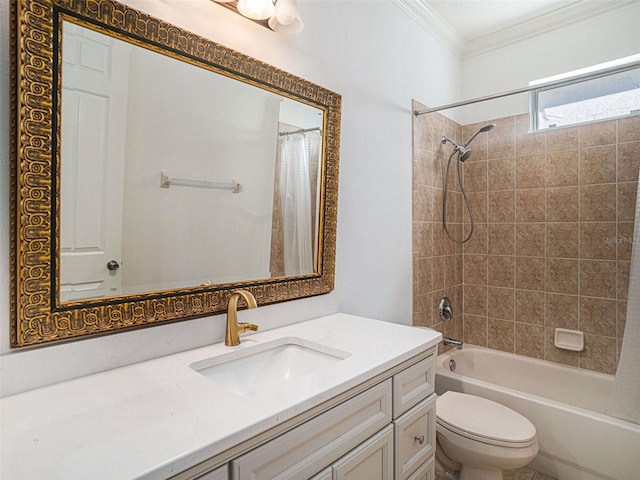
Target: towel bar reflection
167, 180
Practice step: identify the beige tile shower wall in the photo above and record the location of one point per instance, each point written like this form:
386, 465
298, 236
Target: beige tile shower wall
554, 218
437, 261
552, 247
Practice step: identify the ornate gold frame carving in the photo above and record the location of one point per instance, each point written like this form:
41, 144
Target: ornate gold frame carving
36, 314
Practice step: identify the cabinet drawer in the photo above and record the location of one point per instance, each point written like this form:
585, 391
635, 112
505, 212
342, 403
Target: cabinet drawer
373, 460
218, 474
317, 443
326, 474
427, 471
415, 435
413, 385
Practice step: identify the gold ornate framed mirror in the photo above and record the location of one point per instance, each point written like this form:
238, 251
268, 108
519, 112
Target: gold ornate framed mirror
91, 167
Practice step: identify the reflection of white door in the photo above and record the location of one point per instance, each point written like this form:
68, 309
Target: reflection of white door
95, 75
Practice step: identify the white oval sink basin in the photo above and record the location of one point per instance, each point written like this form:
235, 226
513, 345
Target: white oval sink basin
253, 370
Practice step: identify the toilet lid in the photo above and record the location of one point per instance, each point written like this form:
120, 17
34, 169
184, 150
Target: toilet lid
483, 419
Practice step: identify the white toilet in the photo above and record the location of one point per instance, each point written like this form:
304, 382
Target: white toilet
481, 438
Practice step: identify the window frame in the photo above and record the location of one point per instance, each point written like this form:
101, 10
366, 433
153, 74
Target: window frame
543, 85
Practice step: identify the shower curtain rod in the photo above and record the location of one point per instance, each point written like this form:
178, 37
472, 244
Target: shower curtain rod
302, 130
555, 83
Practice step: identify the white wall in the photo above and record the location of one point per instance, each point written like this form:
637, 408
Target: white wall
300, 115
378, 59
614, 34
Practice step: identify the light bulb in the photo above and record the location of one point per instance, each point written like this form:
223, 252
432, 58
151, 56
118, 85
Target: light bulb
256, 6
256, 9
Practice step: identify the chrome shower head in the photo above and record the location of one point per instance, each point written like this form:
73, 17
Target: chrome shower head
464, 153
484, 129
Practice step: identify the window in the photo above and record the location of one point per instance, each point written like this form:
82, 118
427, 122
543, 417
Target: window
601, 92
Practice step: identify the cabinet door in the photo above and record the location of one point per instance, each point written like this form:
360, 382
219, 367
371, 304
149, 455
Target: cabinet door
427, 471
326, 474
373, 460
306, 449
217, 474
415, 439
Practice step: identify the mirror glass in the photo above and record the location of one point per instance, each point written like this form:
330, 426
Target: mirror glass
154, 172
172, 175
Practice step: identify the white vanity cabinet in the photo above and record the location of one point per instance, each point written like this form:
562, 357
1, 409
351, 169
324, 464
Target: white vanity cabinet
307, 449
427, 471
326, 474
384, 432
414, 419
221, 473
415, 438
371, 460
361, 407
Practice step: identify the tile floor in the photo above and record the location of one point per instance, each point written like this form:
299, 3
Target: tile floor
525, 473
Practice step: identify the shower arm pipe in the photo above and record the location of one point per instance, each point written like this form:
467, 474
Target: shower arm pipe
530, 88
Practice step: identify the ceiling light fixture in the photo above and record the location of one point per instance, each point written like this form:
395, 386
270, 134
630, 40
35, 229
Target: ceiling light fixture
256, 9
279, 15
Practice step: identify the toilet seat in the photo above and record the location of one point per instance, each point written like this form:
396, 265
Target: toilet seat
484, 420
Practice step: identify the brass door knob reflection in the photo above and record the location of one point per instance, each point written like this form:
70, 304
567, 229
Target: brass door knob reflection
113, 265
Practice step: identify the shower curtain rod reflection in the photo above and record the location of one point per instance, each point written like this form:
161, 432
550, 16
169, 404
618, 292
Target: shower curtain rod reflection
302, 130
538, 86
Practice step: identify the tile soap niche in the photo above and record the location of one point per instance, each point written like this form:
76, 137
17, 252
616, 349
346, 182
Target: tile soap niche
569, 339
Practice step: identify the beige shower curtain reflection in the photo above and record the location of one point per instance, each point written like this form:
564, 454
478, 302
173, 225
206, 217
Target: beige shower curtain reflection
297, 151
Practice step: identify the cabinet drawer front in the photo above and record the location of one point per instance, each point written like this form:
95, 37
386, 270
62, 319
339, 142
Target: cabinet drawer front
218, 474
317, 443
413, 385
415, 437
326, 474
427, 471
373, 460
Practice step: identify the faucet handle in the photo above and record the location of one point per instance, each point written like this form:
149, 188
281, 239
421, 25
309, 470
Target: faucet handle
445, 308
245, 327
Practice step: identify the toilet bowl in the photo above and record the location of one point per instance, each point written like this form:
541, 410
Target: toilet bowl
481, 438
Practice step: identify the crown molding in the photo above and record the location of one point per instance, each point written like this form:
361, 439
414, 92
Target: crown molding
435, 24
553, 20
579, 10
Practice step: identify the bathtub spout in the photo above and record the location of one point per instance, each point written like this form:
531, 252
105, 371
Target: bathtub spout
452, 342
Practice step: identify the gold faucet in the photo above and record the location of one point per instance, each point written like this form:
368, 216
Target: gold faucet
234, 329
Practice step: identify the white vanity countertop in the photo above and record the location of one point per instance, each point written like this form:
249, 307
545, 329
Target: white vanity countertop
157, 418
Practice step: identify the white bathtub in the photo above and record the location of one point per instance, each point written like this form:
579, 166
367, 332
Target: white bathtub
577, 441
